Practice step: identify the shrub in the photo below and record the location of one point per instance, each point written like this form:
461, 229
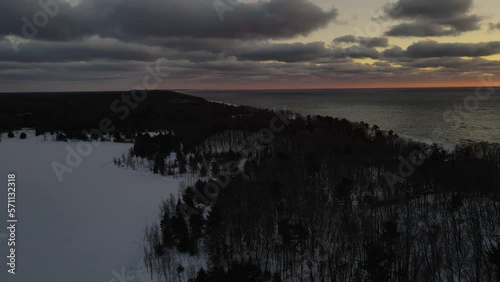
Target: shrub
10, 134
23, 135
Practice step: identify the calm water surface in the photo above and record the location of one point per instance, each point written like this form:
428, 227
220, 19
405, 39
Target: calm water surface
415, 113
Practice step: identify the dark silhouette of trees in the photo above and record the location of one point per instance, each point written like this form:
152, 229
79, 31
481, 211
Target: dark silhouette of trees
377, 263
326, 200
494, 259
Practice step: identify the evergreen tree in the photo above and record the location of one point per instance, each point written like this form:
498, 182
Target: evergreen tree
215, 239
117, 136
196, 223
181, 160
166, 229
180, 230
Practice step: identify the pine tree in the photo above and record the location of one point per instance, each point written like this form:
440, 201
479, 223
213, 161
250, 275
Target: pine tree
117, 136
166, 229
182, 163
180, 230
196, 223
215, 240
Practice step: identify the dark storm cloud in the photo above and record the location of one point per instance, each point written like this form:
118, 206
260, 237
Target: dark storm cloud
462, 23
269, 19
43, 51
433, 49
300, 52
425, 18
71, 71
410, 9
132, 20
294, 52
443, 27
476, 64
374, 42
394, 52
429, 49
416, 29
369, 42
357, 52
53, 20
214, 45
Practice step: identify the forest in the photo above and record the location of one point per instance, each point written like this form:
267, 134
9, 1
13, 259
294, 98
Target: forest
326, 200
276, 196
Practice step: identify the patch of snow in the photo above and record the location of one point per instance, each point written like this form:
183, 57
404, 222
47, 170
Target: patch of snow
87, 228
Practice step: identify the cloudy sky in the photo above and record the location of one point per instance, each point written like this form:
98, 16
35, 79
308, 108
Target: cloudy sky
60, 45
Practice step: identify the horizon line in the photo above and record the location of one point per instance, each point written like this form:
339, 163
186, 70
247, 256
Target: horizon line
257, 89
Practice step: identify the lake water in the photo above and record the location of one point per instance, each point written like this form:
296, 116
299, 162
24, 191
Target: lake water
444, 115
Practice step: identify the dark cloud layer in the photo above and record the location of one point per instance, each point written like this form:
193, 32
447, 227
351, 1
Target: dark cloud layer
38, 51
300, 52
346, 39
435, 9
133, 20
294, 52
428, 49
428, 28
109, 42
433, 49
426, 18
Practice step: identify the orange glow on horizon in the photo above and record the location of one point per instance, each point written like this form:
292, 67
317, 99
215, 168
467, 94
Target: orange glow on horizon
471, 84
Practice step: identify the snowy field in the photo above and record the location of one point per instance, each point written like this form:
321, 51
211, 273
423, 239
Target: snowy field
87, 228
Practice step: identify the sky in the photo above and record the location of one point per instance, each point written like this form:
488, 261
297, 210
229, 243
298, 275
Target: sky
90, 45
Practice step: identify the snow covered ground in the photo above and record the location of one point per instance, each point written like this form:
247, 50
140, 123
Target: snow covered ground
87, 228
